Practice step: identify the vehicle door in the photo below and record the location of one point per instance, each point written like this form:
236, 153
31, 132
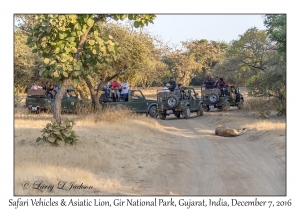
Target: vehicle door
137, 101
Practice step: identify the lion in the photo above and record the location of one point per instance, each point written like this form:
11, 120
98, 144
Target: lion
229, 132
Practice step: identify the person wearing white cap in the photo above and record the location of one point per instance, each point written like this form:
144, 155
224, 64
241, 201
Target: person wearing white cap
166, 88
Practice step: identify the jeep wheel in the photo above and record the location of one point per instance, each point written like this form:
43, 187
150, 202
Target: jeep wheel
186, 113
172, 101
152, 112
226, 107
241, 104
200, 111
162, 116
213, 97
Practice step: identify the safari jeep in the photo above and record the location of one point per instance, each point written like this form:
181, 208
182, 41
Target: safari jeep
136, 101
179, 103
37, 100
212, 98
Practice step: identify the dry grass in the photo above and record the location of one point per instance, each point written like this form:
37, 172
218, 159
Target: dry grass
115, 114
260, 103
110, 153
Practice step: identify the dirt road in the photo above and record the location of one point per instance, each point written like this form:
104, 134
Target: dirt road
201, 163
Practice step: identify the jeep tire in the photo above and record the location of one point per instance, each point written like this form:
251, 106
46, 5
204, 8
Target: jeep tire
200, 111
152, 112
186, 113
172, 101
213, 97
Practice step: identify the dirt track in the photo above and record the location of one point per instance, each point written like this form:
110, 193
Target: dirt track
201, 163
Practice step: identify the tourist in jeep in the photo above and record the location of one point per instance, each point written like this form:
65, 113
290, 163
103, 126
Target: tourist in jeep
217, 82
51, 92
56, 89
223, 87
178, 88
181, 90
35, 86
209, 83
115, 93
115, 84
44, 87
124, 92
166, 88
68, 93
172, 83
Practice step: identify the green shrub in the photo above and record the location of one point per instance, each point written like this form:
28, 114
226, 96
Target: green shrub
59, 134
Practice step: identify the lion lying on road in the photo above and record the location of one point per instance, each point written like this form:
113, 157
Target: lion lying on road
229, 132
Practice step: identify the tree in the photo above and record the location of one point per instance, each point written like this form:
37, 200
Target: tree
247, 56
180, 65
70, 46
25, 63
205, 54
276, 29
255, 61
196, 57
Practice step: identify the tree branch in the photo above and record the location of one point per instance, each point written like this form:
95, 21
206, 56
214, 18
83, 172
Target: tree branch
256, 67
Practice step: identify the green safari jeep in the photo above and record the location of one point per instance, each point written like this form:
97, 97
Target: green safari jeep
182, 102
136, 102
212, 98
37, 100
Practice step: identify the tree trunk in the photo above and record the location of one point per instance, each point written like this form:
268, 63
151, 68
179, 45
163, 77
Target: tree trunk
80, 90
96, 95
59, 95
95, 99
58, 98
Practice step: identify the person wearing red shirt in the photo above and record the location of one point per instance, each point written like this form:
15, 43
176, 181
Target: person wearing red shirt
115, 84
223, 87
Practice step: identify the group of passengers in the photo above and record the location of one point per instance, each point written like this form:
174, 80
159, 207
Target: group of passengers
171, 86
115, 91
218, 83
51, 90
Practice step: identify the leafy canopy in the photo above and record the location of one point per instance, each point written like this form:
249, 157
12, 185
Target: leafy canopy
70, 46
276, 29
